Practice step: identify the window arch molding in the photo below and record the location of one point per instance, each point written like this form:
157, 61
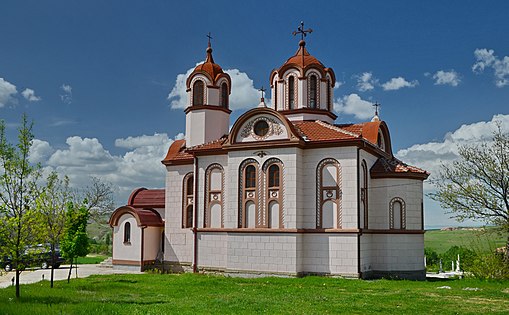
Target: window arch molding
325, 193
224, 93
313, 87
213, 196
248, 192
188, 200
273, 188
392, 215
291, 91
198, 94
127, 233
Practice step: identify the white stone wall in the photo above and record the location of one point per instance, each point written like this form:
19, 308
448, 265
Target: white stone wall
205, 125
203, 163
373, 189
328, 253
152, 242
212, 250
289, 179
179, 242
130, 251
347, 157
262, 252
397, 252
410, 190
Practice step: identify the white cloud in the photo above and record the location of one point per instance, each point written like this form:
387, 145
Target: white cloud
451, 78
29, 95
244, 94
7, 91
398, 83
40, 151
366, 82
81, 158
353, 105
67, 96
142, 141
487, 59
432, 155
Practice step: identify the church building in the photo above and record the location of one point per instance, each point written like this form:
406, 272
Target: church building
285, 191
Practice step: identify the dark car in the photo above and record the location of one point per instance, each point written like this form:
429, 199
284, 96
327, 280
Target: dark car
35, 256
5, 263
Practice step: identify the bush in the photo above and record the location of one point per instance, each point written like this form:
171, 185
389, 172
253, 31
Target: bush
490, 266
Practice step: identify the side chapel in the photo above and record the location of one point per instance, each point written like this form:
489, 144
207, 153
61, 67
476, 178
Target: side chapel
286, 191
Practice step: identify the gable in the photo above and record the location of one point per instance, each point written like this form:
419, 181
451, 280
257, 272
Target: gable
261, 125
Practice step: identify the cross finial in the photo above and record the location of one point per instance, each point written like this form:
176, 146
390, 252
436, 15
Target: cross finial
263, 91
376, 105
210, 37
300, 30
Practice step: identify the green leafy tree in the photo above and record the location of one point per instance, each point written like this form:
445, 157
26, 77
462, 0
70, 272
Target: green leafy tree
18, 189
52, 206
476, 186
75, 242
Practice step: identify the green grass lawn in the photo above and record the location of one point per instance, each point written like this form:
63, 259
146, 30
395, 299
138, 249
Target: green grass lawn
91, 259
441, 241
199, 294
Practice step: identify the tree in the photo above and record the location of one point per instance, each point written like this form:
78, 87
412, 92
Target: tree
52, 205
75, 241
99, 196
18, 188
476, 186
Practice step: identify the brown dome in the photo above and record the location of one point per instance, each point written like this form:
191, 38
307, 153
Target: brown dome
213, 69
302, 58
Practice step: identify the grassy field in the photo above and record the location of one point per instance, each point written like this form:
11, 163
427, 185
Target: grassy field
91, 259
202, 294
475, 239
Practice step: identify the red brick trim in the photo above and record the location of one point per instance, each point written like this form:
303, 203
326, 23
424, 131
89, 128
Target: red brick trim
209, 107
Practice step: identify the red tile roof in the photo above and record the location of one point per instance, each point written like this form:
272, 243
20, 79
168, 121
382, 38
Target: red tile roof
144, 217
147, 198
384, 167
176, 153
313, 131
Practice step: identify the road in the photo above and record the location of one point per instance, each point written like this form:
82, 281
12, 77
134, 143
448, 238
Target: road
32, 276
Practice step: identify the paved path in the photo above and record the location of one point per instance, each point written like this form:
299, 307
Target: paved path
31, 276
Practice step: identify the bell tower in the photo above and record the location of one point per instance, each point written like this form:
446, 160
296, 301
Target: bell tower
208, 93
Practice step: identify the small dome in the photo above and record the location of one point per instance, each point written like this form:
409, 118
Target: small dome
213, 69
302, 58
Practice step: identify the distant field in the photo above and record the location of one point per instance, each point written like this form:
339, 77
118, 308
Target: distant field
479, 239
202, 294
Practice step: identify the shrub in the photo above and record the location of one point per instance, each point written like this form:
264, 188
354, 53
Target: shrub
490, 266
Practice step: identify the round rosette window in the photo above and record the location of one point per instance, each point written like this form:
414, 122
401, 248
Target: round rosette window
261, 128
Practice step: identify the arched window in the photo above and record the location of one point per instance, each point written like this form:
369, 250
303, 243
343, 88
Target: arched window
250, 176
248, 194
275, 96
272, 217
397, 214
364, 196
328, 194
188, 201
127, 233
274, 175
198, 93
313, 91
214, 186
224, 95
291, 92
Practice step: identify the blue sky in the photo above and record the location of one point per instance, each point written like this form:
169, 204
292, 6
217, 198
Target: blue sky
96, 75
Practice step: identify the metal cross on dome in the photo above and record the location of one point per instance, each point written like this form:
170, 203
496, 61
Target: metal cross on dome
210, 37
376, 105
263, 91
300, 30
